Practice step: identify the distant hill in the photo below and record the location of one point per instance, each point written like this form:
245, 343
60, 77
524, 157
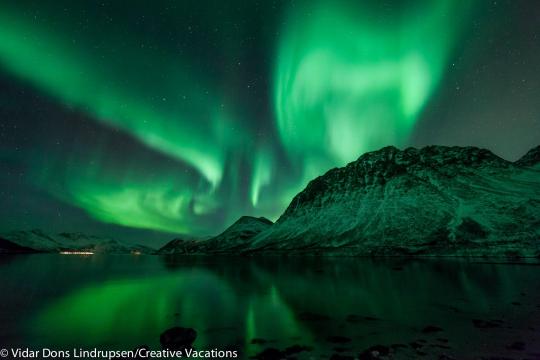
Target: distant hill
8, 247
179, 246
237, 237
38, 240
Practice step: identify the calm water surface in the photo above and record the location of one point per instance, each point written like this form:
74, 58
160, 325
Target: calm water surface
460, 308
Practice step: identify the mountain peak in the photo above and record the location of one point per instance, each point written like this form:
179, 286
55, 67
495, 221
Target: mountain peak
531, 158
437, 200
433, 155
434, 200
251, 219
235, 237
179, 246
376, 168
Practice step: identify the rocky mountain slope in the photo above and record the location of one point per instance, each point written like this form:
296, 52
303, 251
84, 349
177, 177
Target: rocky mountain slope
180, 246
8, 247
434, 201
235, 238
531, 158
38, 240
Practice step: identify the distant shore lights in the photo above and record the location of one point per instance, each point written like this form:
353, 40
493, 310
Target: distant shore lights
76, 252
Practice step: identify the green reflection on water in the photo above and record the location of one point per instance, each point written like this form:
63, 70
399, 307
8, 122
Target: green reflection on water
136, 311
230, 303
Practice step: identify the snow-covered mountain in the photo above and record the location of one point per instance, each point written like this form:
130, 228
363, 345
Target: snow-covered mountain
43, 242
235, 238
436, 200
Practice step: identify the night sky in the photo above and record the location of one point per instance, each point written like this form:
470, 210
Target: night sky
140, 120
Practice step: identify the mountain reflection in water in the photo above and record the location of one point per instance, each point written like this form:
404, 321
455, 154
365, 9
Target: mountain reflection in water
331, 305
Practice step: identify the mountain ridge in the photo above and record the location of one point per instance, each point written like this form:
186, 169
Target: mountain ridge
235, 238
415, 201
40, 241
531, 158
437, 200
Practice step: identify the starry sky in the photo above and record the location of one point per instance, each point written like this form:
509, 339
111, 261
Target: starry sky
161, 118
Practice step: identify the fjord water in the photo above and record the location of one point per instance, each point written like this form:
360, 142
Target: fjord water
462, 308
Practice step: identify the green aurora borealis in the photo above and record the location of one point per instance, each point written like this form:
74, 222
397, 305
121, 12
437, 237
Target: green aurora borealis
171, 117
349, 81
